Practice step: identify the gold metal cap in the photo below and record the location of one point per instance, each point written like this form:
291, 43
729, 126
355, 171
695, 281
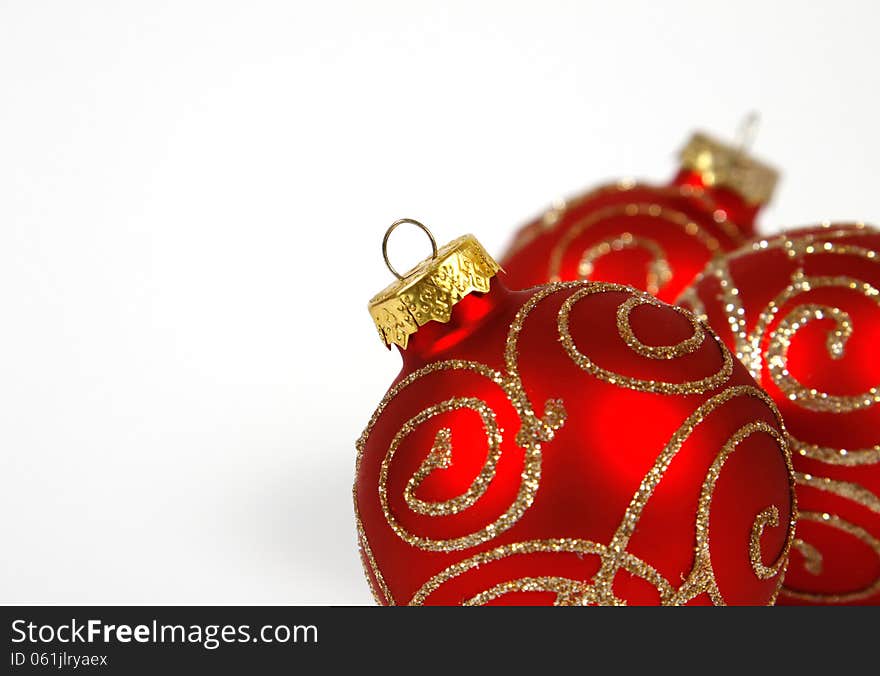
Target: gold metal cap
428, 291
729, 167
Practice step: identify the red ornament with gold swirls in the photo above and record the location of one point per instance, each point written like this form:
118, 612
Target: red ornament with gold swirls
802, 311
580, 443
656, 238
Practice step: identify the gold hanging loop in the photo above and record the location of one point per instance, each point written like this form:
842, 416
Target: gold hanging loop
388, 232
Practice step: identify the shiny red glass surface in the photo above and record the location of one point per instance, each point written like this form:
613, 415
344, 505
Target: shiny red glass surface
840, 264
590, 469
684, 224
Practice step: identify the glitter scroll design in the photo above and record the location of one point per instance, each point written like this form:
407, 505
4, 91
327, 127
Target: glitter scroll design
440, 457
656, 351
554, 217
787, 328
614, 556
569, 591
533, 432
769, 517
766, 345
814, 559
536, 431
663, 352
369, 563
659, 270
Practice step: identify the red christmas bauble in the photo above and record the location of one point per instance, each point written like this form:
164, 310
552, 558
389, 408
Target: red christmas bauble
802, 311
656, 238
578, 443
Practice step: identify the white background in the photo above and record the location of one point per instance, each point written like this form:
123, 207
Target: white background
192, 199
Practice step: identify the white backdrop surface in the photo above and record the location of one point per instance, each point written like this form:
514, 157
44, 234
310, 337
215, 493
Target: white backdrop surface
192, 198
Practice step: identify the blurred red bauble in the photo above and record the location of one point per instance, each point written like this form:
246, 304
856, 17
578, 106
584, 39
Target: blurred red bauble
575, 444
656, 238
801, 311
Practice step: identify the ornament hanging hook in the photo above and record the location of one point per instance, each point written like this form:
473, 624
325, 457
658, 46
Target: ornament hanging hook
747, 131
391, 228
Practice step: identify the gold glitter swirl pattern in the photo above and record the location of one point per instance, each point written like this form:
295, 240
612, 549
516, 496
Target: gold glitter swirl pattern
631, 563
835, 456
529, 485
736, 318
748, 343
852, 529
844, 489
777, 354
440, 457
769, 517
834, 241
534, 431
690, 299
658, 386
656, 351
614, 557
780, 340
568, 592
812, 556
369, 562
659, 272
663, 214
554, 217
702, 578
